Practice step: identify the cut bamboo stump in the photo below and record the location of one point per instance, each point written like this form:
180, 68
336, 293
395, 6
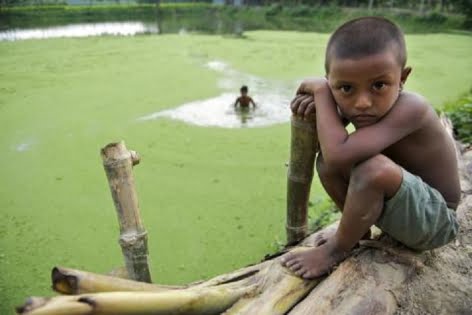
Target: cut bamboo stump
118, 163
303, 149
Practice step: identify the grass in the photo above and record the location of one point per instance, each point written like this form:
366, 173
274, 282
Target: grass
211, 199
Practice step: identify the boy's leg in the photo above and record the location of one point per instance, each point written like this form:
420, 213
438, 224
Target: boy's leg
334, 181
370, 183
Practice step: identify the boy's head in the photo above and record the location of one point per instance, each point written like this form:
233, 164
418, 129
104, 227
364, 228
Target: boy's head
365, 66
243, 90
364, 37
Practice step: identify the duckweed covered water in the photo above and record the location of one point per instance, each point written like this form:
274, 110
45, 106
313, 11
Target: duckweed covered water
212, 199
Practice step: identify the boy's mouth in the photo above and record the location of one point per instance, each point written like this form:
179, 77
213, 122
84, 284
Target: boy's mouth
364, 119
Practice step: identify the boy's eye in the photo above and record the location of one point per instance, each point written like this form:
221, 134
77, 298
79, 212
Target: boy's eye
345, 88
378, 86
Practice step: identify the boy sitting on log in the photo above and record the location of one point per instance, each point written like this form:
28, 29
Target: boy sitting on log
398, 169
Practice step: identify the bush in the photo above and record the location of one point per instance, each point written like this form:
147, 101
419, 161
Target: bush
434, 18
274, 9
460, 113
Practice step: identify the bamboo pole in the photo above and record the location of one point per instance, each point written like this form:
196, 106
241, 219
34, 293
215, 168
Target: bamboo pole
73, 281
118, 163
303, 149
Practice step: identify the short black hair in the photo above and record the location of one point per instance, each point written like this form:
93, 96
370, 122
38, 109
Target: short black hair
243, 88
363, 37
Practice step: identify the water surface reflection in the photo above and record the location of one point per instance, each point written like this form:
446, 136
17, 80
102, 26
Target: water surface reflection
81, 30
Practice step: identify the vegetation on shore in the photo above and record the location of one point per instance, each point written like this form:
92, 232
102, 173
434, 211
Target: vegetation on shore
460, 113
274, 17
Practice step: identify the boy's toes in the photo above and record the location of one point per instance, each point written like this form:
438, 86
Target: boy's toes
300, 272
290, 264
287, 259
295, 266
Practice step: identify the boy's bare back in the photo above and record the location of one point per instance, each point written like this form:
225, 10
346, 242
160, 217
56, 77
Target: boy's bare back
427, 152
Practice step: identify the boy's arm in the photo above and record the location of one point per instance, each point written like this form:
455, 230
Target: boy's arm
236, 102
252, 102
346, 150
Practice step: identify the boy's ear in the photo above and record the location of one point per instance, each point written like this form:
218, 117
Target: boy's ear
405, 73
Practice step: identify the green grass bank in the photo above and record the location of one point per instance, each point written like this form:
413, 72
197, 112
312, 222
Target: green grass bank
212, 199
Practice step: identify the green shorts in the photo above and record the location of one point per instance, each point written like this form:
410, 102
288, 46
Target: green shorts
418, 216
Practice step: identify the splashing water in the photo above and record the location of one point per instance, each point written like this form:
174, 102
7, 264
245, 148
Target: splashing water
271, 96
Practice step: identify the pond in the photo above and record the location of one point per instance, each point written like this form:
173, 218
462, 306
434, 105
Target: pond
272, 97
92, 22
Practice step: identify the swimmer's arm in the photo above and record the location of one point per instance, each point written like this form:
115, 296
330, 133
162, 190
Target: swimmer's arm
252, 102
236, 103
346, 150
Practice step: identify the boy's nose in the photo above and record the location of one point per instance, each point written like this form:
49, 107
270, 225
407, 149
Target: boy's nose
363, 102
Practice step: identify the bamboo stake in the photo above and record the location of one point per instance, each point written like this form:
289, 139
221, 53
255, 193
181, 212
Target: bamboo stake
118, 163
303, 149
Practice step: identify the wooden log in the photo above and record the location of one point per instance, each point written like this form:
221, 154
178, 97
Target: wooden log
303, 149
376, 279
118, 163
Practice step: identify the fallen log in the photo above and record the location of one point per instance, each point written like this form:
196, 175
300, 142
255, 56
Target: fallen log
380, 277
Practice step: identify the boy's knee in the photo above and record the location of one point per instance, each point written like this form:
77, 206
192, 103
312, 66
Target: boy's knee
321, 168
326, 171
378, 171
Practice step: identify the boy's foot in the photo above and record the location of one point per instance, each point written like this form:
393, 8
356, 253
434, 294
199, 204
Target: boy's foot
323, 236
314, 262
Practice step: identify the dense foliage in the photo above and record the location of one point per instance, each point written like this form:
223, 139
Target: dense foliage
460, 112
435, 10
224, 19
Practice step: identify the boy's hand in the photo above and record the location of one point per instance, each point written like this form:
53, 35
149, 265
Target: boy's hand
303, 105
312, 85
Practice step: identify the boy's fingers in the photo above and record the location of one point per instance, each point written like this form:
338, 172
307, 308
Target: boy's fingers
310, 109
296, 103
297, 98
303, 105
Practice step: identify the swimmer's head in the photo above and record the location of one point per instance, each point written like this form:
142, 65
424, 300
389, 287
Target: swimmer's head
244, 90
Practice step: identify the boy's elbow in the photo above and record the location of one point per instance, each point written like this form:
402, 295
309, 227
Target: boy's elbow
336, 160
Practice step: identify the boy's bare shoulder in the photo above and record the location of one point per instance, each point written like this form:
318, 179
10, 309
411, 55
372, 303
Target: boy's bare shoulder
411, 111
413, 104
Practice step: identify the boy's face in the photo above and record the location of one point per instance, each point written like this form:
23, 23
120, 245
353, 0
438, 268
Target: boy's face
243, 92
365, 89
